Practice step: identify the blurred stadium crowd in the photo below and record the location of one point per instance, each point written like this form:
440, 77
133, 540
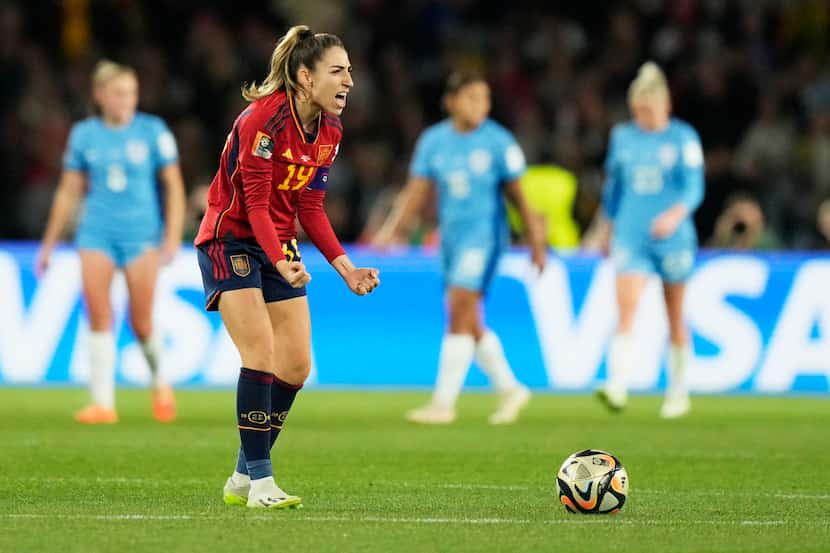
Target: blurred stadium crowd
752, 76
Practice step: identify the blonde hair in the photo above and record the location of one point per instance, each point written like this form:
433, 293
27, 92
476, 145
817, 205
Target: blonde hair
650, 81
106, 70
298, 47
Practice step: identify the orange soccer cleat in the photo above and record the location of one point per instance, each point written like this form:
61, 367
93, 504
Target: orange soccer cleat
96, 414
164, 404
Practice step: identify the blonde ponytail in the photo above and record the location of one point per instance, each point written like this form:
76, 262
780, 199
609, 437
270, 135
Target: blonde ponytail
278, 77
298, 47
650, 81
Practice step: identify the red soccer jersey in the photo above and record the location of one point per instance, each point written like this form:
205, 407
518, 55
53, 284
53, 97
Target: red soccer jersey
269, 175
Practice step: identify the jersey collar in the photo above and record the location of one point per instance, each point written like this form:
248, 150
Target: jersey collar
299, 124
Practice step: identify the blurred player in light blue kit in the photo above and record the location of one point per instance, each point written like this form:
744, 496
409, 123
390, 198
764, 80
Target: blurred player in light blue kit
654, 183
115, 162
473, 162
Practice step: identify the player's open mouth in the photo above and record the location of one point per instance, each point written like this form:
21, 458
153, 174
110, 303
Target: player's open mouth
340, 99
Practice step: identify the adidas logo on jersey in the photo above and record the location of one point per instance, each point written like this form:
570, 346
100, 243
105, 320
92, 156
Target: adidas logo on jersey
287, 154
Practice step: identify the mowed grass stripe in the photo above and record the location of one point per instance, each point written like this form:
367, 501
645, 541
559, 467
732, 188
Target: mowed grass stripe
282, 518
153, 482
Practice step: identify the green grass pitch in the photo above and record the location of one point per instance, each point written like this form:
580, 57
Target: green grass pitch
739, 474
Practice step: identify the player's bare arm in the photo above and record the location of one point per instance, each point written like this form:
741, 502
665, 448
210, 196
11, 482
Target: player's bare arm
667, 222
293, 272
171, 177
67, 197
361, 280
533, 230
598, 236
408, 205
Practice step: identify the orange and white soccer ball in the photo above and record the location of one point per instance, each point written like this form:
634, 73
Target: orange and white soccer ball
592, 482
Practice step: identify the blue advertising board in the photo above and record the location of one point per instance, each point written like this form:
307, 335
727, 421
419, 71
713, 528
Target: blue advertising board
760, 323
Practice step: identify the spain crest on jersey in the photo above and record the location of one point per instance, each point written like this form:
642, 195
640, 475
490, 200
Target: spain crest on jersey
263, 144
323, 153
241, 265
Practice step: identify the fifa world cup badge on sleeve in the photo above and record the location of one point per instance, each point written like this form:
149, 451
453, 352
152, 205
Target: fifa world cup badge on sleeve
263, 145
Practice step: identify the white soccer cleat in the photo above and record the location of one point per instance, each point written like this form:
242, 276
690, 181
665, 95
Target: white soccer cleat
431, 414
266, 494
510, 404
675, 405
236, 490
612, 396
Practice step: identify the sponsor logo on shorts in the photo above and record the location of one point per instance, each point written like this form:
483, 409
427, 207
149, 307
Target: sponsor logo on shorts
620, 257
241, 265
472, 263
677, 265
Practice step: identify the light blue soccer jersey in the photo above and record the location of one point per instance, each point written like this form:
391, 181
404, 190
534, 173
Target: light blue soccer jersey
122, 204
647, 173
469, 171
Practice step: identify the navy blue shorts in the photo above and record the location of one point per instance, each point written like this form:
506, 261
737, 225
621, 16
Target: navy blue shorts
235, 264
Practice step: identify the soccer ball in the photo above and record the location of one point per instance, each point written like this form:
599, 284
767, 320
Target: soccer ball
592, 482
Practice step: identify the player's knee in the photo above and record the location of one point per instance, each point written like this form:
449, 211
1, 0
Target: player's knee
457, 321
464, 318
142, 327
99, 320
462, 326
293, 366
260, 356
626, 322
678, 335
626, 326
295, 372
679, 341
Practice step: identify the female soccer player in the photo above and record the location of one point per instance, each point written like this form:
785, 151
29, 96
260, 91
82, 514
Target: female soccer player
654, 183
473, 161
115, 161
274, 168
